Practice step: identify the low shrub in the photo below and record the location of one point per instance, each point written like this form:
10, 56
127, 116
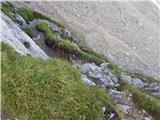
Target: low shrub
26, 44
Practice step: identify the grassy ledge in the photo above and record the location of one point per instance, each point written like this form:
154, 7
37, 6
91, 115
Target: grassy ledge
143, 77
51, 89
67, 46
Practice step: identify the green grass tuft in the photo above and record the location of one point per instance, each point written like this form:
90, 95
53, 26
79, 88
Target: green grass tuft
143, 77
44, 90
28, 31
7, 8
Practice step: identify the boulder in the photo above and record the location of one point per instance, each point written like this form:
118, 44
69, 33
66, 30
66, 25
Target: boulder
85, 68
20, 20
127, 78
137, 82
107, 81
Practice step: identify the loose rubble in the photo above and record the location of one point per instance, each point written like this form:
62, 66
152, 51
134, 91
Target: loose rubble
126, 104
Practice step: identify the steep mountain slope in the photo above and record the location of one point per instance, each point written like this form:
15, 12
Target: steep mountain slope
100, 90
126, 32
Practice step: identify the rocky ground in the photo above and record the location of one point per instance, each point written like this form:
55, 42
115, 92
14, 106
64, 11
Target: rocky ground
126, 32
91, 74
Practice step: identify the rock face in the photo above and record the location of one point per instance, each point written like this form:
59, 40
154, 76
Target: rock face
15, 37
20, 20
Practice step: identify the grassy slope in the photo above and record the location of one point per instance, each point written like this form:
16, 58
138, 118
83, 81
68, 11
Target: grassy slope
37, 89
116, 70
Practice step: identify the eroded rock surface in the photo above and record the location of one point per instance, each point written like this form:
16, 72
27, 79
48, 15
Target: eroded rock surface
15, 37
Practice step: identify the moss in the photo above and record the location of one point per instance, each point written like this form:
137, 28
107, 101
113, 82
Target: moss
28, 31
144, 101
26, 44
51, 89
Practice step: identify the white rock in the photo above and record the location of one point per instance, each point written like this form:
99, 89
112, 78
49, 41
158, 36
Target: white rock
103, 109
20, 20
147, 118
15, 37
111, 116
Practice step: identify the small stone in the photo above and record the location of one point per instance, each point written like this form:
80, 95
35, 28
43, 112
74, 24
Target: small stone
147, 118
127, 78
104, 65
103, 109
20, 20
137, 82
111, 116
114, 79
85, 68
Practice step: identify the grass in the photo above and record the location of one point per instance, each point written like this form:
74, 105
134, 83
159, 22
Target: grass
144, 101
68, 46
7, 8
29, 15
44, 90
143, 77
28, 31
26, 44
